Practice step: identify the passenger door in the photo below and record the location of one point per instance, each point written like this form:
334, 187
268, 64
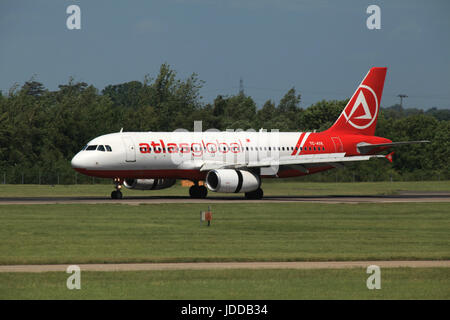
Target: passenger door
130, 152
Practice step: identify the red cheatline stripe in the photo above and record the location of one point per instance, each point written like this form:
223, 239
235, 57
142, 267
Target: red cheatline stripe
305, 138
297, 145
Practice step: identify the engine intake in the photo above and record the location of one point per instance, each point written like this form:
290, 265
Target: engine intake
148, 184
232, 181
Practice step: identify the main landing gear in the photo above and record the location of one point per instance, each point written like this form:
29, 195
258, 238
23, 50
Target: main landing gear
117, 194
254, 195
198, 192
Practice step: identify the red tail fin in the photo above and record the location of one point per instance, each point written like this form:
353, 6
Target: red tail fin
361, 112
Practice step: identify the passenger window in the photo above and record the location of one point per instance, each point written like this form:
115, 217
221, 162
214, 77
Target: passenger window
108, 148
91, 148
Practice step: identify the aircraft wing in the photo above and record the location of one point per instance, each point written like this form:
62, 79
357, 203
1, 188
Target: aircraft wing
367, 147
301, 162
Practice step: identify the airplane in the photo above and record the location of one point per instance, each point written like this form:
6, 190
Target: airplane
236, 162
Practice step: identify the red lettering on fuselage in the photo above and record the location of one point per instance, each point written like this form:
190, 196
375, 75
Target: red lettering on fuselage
184, 148
144, 148
172, 148
196, 148
154, 145
234, 147
162, 145
213, 148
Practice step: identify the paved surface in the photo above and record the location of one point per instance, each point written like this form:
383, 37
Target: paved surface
407, 197
228, 265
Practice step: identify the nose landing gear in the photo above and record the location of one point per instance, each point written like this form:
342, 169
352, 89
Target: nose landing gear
117, 194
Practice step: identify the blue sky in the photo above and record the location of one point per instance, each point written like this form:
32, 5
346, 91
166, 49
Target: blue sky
322, 48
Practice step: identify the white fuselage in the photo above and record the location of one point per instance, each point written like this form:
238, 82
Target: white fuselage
181, 154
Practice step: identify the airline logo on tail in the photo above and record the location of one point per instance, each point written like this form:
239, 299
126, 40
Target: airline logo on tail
365, 108
361, 112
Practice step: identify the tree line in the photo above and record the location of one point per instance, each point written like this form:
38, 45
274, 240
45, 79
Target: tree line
41, 130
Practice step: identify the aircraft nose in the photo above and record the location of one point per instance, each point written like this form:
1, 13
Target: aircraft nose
77, 162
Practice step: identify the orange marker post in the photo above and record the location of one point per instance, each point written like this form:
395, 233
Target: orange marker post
208, 216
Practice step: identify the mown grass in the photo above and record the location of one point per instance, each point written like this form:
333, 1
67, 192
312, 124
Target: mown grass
271, 187
401, 283
107, 233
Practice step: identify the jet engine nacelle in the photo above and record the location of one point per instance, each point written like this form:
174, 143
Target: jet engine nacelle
148, 184
232, 181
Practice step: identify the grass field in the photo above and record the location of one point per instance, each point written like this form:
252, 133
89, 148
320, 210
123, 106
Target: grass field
41, 234
107, 233
402, 283
271, 188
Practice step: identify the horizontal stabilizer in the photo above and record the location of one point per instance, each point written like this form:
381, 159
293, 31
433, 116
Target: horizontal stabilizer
366, 147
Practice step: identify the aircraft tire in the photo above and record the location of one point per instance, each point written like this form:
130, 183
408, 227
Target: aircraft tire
116, 194
198, 192
203, 192
254, 195
194, 192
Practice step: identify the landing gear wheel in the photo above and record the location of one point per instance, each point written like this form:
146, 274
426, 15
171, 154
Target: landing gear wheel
198, 192
254, 195
116, 194
203, 192
193, 191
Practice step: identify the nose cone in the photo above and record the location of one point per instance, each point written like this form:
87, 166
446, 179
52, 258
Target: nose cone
77, 162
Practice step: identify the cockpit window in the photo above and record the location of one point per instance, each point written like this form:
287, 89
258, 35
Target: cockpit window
108, 148
84, 148
91, 148
101, 148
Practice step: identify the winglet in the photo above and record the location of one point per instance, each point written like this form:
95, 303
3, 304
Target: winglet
389, 156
